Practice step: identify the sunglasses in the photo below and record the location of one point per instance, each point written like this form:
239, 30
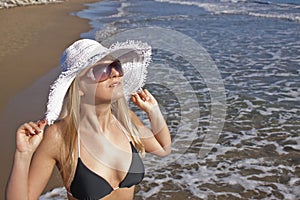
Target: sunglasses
102, 71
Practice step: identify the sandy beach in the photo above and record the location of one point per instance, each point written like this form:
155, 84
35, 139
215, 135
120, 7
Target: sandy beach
32, 40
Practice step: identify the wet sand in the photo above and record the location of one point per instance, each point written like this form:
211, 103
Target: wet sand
32, 40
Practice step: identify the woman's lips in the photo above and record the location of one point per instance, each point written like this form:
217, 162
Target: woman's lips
115, 84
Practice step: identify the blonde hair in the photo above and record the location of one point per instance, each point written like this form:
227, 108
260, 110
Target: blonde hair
120, 110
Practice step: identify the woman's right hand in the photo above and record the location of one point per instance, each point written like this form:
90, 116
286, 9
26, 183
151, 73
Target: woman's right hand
29, 136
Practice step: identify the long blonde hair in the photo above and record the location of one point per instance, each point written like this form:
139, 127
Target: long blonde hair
68, 160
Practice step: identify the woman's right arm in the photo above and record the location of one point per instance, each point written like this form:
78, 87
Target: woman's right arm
33, 162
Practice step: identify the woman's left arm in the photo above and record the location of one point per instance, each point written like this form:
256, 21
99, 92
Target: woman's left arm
158, 139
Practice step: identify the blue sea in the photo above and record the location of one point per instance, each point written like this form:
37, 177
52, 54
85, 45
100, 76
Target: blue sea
226, 74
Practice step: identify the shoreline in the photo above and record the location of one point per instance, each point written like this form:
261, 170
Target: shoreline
33, 38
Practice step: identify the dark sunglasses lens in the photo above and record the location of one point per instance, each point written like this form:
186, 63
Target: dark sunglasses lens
118, 68
101, 72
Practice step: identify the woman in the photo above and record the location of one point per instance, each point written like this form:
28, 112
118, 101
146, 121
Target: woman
93, 138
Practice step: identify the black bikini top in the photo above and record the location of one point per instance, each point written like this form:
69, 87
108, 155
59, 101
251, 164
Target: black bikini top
88, 185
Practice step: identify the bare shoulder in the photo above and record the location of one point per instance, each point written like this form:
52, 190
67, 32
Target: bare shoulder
53, 139
54, 132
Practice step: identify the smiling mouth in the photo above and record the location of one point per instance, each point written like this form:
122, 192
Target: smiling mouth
115, 84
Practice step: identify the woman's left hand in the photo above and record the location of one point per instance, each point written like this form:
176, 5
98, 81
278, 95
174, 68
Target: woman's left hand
144, 100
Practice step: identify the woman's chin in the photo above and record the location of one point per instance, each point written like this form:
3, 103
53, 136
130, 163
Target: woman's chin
117, 95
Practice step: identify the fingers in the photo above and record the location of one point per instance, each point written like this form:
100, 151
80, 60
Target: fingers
36, 129
42, 123
33, 128
27, 129
139, 98
144, 94
135, 98
149, 95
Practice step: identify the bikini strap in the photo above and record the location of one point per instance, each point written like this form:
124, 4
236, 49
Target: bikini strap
123, 129
78, 143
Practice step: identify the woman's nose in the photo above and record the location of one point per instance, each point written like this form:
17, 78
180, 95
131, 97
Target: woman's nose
114, 73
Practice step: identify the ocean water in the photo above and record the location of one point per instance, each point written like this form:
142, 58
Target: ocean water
227, 76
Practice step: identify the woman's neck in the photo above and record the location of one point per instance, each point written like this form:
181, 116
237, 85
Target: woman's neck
97, 118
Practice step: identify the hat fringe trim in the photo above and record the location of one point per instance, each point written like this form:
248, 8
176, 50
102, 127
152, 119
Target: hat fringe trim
57, 93
55, 100
144, 50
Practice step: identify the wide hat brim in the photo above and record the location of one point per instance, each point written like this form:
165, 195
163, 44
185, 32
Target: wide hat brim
134, 56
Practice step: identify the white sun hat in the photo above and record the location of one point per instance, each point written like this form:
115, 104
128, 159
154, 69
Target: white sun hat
134, 56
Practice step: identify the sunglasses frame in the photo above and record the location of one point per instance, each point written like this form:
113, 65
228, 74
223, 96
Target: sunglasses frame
116, 64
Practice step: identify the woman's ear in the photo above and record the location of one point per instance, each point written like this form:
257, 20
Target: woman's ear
81, 93
80, 88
